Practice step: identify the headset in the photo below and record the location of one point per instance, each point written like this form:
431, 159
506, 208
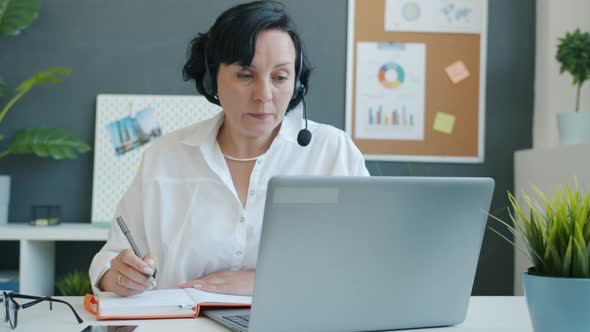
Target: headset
304, 135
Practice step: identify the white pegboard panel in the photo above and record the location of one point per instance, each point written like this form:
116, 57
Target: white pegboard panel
113, 173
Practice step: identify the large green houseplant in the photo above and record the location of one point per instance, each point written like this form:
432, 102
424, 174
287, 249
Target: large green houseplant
573, 55
42, 142
556, 237
15, 16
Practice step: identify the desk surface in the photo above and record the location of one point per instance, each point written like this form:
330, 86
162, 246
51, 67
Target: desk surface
486, 313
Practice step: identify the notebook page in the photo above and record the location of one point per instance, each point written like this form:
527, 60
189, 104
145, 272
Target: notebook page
200, 296
153, 298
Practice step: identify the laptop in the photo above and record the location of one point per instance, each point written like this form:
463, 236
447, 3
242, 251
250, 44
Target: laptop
365, 254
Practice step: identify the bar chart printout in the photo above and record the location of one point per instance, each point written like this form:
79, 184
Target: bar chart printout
390, 91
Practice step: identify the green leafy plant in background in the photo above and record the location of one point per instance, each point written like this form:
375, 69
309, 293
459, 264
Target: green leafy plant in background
556, 233
15, 16
573, 53
74, 284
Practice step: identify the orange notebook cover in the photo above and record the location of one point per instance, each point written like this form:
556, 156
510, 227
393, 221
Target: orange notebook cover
160, 304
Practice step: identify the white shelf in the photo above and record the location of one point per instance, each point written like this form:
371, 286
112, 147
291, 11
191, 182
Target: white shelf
562, 150
37, 250
61, 232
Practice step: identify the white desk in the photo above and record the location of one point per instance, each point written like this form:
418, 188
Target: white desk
37, 251
486, 313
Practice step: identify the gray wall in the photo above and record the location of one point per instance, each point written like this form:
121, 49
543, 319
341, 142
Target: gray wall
139, 47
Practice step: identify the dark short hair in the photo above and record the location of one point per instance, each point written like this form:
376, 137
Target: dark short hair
233, 39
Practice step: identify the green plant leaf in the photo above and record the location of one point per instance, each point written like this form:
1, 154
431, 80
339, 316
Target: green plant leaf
573, 54
535, 238
47, 142
17, 15
580, 262
47, 76
523, 251
524, 228
74, 284
556, 232
530, 252
552, 262
566, 267
586, 232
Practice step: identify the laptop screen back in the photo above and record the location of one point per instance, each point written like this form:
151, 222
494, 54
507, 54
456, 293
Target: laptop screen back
368, 253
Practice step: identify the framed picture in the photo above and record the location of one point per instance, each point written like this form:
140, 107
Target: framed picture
125, 126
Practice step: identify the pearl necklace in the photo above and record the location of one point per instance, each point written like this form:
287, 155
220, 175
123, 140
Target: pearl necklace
241, 159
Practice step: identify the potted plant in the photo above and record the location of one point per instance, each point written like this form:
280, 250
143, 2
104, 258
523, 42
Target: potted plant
573, 54
556, 237
16, 15
74, 284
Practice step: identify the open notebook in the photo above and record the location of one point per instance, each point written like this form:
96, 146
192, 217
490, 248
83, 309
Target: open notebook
161, 303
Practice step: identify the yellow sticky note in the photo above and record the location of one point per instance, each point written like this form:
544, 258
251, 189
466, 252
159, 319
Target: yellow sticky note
457, 71
444, 122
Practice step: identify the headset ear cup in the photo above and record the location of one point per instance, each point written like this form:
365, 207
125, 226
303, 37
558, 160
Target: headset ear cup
207, 84
298, 90
207, 78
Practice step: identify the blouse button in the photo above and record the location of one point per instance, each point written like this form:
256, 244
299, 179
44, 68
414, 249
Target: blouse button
252, 192
238, 253
242, 219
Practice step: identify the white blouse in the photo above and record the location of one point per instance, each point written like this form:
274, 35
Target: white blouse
182, 206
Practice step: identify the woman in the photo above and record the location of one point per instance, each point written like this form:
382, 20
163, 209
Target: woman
196, 204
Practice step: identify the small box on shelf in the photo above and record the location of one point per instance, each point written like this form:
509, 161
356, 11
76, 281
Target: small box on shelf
45, 215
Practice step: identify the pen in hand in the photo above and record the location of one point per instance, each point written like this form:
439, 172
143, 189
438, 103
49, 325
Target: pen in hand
127, 233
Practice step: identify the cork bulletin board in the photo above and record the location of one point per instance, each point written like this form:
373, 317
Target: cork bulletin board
416, 79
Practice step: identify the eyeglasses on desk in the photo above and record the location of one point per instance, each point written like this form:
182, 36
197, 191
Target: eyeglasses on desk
10, 306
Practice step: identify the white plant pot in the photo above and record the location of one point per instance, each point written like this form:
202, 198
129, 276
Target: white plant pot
4, 198
574, 127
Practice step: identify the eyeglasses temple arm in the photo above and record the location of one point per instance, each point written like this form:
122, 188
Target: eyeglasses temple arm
50, 299
69, 305
32, 303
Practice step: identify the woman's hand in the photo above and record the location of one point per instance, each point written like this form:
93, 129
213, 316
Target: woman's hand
127, 275
226, 282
